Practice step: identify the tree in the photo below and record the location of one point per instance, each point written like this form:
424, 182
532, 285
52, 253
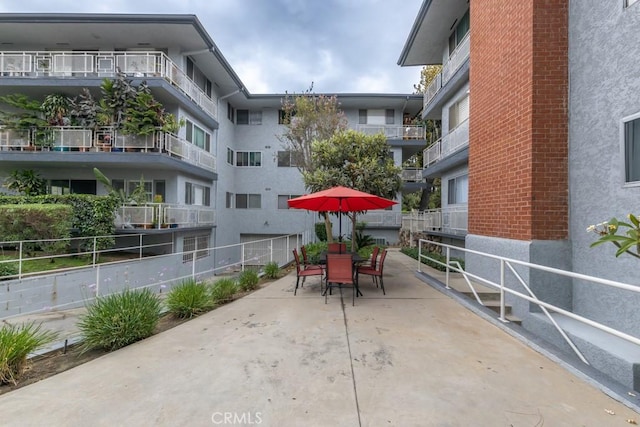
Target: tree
27, 182
427, 74
309, 117
355, 160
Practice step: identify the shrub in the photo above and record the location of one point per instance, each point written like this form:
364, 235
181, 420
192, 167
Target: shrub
321, 231
8, 269
188, 299
120, 319
314, 250
413, 253
248, 280
16, 343
37, 222
271, 270
223, 290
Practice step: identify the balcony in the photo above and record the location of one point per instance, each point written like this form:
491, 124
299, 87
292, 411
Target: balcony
163, 215
448, 144
456, 59
393, 131
381, 218
411, 175
448, 220
68, 139
65, 64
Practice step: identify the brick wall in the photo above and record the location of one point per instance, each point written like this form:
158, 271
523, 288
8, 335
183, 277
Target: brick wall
518, 120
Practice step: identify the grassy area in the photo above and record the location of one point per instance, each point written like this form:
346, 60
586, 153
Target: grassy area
48, 263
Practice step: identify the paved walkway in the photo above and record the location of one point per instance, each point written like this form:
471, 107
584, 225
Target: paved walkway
413, 357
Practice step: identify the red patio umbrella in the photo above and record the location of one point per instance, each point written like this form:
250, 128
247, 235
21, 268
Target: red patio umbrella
340, 199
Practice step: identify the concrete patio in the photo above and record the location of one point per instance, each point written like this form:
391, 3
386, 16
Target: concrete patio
415, 357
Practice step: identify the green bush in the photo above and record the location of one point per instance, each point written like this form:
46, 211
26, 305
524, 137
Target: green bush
120, 319
321, 231
413, 253
223, 290
271, 270
8, 269
248, 280
16, 343
189, 299
313, 251
91, 215
37, 222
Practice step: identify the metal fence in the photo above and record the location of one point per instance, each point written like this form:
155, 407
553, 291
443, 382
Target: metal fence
73, 287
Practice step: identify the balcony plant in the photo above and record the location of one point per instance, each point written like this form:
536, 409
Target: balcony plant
25, 117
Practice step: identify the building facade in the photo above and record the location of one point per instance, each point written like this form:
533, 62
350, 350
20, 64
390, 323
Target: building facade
223, 177
548, 148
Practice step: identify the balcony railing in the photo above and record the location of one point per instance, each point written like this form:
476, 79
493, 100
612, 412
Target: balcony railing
393, 131
448, 144
411, 175
450, 219
42, 64
162, 215
103, 139
456, 59
381, 218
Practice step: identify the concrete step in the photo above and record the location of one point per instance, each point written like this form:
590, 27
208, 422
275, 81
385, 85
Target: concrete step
484, 296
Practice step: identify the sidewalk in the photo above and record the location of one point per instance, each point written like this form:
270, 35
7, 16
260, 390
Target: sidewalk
414, 357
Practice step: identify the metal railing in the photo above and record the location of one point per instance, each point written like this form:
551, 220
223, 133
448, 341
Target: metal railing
69, 138
504, 264
393, 131
139, 267
448, 144
450, 219
411, 175
456, 59
381, 218
141, 64
163, 215
419, 221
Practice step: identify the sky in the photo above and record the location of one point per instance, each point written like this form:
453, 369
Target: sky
277, 46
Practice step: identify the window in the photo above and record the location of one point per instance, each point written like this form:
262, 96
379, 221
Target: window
282, 200
459, 112
198, 195
286, 159
229, 200
362, 117
249, 158
197, 136
199, 244
151, 188
248, 201
230, 156
284, 117
632, 150
628, 3
248, 117
198, 77
390, 116
459, 32
458, 190
231, 112
72, 186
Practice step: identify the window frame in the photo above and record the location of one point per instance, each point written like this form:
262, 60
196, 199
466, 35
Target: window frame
291, 163
250, 199
624, 150
253, 159
452, 190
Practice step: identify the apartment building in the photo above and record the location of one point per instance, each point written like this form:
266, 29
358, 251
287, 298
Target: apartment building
539, 113
224, 177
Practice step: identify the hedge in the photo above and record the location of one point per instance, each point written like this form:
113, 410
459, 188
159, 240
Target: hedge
37, 222
91, 215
